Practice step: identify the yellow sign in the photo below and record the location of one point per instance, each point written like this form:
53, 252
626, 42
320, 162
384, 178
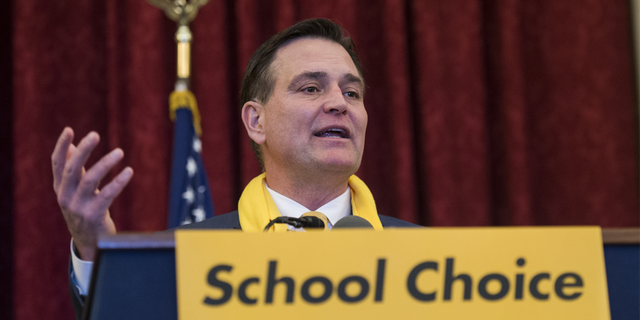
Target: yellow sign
441, 273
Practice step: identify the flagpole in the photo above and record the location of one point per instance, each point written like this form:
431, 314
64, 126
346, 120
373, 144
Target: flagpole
182, 12
189, 196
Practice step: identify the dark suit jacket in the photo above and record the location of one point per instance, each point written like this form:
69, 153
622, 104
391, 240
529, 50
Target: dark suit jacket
225, 221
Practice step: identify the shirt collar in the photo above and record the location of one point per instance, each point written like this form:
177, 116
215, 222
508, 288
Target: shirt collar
335, 209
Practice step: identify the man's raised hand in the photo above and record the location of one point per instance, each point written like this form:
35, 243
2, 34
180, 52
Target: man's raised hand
84, 206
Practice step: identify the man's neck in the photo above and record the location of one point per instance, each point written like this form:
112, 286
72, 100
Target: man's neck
312, 193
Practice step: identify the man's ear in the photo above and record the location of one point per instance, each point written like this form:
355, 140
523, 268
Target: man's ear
253, 118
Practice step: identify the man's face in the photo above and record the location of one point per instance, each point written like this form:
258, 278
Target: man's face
315, 117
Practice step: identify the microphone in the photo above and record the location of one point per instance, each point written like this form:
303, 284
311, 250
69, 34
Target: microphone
278, 220
314, 220
350, 222
309, 220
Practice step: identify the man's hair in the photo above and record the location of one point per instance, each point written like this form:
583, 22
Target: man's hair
258, 80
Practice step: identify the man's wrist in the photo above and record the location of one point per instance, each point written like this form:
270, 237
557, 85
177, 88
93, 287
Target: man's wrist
81, 271
82, 252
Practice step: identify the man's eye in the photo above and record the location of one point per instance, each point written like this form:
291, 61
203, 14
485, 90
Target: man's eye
352, 94
310, 89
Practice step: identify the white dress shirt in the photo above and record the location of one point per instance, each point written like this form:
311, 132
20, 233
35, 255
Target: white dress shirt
335, 209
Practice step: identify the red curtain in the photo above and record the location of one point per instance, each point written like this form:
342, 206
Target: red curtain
480, 113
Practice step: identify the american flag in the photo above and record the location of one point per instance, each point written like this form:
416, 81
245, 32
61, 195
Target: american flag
190, 198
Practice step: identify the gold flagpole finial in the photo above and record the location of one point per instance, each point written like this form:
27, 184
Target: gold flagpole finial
180, 11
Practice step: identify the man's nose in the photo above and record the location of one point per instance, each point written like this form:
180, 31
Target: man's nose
335, 101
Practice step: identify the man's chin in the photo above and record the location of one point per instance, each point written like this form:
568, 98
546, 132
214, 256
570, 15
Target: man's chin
344, 165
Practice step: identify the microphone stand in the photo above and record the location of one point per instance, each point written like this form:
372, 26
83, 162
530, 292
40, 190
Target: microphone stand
303, 222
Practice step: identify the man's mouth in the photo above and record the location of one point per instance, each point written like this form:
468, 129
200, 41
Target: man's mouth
333, 133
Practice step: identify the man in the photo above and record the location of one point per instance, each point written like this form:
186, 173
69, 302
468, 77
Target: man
303, 108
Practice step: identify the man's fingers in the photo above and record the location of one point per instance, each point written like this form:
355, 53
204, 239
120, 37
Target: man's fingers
113, 188
73, 168
90, 181
59, 156
71, 150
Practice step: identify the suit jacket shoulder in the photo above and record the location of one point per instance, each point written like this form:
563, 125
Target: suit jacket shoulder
396, 223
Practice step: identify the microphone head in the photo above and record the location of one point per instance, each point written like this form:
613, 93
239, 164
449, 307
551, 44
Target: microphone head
314, 220
352, 222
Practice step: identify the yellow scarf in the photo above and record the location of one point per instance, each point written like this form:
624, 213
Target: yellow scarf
256, 207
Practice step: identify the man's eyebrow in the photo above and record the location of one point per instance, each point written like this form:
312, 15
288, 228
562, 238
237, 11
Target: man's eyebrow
349, 77
305, 76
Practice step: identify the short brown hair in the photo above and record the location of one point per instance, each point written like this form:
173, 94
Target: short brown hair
258, 81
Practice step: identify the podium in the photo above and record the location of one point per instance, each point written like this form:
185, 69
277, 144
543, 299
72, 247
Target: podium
134, 276
622, 261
